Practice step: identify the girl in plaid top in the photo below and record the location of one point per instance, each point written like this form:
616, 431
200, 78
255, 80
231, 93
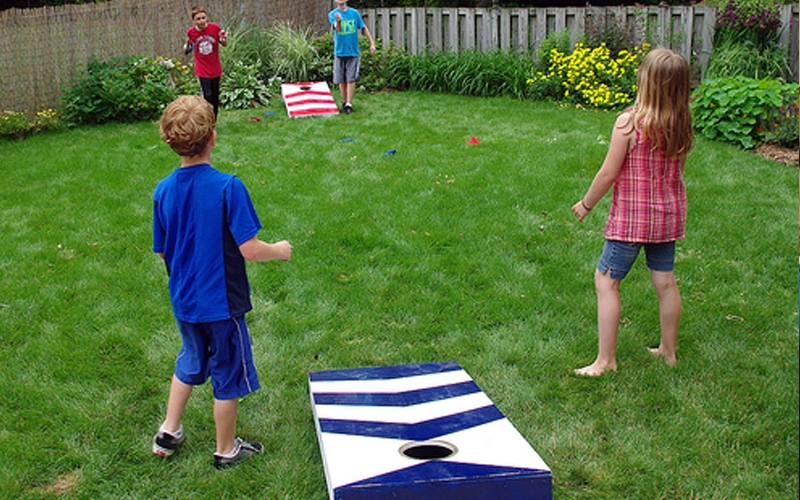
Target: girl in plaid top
644, 163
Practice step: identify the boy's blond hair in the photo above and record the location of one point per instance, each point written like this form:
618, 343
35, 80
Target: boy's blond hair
187, 125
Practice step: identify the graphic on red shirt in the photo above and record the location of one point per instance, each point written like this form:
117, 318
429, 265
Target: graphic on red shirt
206, 50
205, 45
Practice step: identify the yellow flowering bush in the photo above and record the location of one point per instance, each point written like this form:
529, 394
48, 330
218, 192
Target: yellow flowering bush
13, 124
46, 119
590, 76
17, 125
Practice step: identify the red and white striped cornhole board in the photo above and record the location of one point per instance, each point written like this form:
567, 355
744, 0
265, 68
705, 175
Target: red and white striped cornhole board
308, 99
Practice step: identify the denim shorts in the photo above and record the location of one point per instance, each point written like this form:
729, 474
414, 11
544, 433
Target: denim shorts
220, 350
618, 257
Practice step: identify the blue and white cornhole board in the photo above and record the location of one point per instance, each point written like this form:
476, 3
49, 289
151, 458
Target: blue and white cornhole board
366, 417
308, 99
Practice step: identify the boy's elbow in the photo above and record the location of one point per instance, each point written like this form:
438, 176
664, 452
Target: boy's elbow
249, 249
245, 254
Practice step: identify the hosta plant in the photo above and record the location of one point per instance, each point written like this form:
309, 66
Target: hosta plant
242, 87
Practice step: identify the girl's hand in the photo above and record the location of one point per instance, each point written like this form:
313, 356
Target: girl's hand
580, 210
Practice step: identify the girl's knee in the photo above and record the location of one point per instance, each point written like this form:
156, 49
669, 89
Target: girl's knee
603, 281
663, 280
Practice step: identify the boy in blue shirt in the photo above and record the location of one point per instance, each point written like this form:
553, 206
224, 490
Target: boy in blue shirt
347, 23
205, 228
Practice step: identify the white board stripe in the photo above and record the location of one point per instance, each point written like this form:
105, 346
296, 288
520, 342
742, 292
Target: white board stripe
390, 386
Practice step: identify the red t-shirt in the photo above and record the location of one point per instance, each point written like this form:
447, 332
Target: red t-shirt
206, 50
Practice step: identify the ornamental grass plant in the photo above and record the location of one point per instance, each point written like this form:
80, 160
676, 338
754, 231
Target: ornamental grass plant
442, 251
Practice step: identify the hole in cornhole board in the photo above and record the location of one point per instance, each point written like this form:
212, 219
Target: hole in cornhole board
431, 450
305, 87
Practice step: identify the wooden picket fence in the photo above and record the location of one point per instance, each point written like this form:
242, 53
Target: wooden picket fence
42, 49
686, 29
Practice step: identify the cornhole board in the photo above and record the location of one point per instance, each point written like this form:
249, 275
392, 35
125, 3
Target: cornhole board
421, 432
308, 99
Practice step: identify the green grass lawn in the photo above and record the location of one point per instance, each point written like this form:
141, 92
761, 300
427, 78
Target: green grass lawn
443, 251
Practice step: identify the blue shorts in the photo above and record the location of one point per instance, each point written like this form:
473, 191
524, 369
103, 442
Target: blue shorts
618, 257
346, 69
220, 350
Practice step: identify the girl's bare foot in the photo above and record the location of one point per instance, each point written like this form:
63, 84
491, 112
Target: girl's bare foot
669, 358
595, 369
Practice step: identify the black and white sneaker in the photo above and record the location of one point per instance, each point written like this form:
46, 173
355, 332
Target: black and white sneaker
242, 450
165, 443
347, 108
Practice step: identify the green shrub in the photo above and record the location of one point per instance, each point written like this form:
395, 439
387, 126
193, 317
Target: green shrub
744, 110
241, 87
324, 46
474, 73
375, 72
125, 89
781, 124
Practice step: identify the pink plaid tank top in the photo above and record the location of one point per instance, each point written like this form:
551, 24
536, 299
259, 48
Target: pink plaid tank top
649, 200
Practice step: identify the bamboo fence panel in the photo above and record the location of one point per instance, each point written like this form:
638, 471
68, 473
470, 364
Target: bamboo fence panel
42, 49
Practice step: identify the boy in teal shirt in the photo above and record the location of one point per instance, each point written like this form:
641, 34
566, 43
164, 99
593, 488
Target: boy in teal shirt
347, 23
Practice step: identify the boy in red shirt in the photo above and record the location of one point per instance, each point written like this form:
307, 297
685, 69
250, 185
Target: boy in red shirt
204, 38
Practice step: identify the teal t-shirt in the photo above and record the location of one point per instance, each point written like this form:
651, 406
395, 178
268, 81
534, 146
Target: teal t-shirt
345, 42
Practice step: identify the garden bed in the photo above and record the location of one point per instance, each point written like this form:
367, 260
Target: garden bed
787, 156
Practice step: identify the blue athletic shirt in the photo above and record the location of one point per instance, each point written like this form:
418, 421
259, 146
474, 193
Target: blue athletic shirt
200, 217
345, 43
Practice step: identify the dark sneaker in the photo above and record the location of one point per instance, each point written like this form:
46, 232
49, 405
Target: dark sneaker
242, 450
347, 109
165, 444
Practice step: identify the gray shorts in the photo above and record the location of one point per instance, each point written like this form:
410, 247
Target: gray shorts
346, 69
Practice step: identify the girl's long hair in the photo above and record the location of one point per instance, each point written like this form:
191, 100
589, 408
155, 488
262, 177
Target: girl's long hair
661, 111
